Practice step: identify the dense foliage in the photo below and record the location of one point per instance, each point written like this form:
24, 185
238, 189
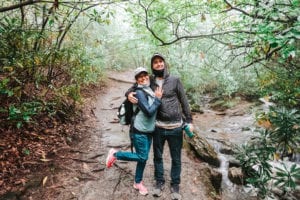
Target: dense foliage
41, 70
279, 139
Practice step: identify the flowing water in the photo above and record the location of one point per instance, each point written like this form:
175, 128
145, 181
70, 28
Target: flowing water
229, 128
224, 130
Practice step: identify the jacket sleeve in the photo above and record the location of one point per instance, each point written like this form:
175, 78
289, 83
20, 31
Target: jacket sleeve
144, 105
184, 102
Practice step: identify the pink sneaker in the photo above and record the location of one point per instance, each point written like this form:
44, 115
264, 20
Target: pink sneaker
141, 188
110, 160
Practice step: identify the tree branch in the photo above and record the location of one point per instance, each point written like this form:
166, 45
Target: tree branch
30, 2
256, 16
253, 62
19, 5
147, 24
208, 35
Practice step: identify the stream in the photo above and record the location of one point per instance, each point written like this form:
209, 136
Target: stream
228, 128
223, 130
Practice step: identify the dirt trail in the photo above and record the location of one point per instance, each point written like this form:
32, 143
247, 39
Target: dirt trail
83, 175
116, 182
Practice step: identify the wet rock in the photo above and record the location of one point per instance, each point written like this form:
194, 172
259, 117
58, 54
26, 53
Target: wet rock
196, 108
235, 175
203, 149
226, 150
233, 162
212, 179
220, 113
296, 193
237, 113
246, 129
277, 192
280, 194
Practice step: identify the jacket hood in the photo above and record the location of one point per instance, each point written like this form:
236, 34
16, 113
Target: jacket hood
157, 55
166, 73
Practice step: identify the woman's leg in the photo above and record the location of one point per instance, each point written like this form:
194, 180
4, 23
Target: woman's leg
142, 144
130, 156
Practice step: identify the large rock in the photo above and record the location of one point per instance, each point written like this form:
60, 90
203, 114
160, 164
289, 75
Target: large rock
226, 150
211, 178
233, 162
203, 149
235, 175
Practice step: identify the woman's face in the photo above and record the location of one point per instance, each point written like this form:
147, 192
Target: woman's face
158, 63
143, 79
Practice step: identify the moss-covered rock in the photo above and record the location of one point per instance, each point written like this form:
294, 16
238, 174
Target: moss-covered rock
203, 149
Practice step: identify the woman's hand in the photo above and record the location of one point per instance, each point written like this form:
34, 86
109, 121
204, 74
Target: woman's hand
158, 92
131, 97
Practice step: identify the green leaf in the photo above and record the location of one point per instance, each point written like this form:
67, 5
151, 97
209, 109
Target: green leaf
26, 118
26, 151
51, 22
280, 174
19, 125
273, 45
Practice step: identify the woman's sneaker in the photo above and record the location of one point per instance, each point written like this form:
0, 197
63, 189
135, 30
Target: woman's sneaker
111, 159
141, 188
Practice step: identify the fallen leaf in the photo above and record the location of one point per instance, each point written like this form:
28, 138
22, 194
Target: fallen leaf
45, 160
85, 166
47, 131
43, 155
45, 180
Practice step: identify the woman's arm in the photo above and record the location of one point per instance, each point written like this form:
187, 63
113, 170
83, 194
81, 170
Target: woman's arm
144, 105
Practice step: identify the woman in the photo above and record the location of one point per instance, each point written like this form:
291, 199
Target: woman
142, 128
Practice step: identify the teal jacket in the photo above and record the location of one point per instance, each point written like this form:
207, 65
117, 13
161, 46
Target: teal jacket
144, 121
